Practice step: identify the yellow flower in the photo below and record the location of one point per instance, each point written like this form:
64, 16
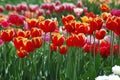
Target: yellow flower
84, 19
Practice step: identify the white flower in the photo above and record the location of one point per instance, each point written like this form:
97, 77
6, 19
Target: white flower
114, 77
78, 11
102, 78
116, 70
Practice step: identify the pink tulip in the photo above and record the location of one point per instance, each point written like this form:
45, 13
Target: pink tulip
33, 8
24, 6
57, 2
8, 7
40, 12
48, 12
79, 4
1, 9
1, 42
85, 9
5, 24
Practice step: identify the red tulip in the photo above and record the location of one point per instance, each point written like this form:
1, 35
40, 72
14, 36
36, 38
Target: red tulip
63, 49
100, 34
21, 53
35, 32
16, 19
37, 41
53, 47
58, 39
32, 23
7, 35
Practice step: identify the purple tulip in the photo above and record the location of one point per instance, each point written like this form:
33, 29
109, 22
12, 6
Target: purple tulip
46, 37
25, 27
92, 40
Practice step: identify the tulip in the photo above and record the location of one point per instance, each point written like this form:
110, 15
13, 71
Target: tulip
37, 41
63, 49
79, 4
58, 39
100, 34
33, 8
5, 24
7, 35
1, 9
1, 42
21, 53
8, 7
104, 7
53, 47
16, 19
35, 32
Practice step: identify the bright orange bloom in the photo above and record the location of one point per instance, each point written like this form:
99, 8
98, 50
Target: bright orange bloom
104, 7
100, 34
21, 53
35, 32
58, 39
63, 49
105, 15
7, 35
37, 41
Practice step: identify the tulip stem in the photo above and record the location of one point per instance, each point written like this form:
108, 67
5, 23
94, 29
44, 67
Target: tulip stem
94, 53
119, 46
75, 66
111, 47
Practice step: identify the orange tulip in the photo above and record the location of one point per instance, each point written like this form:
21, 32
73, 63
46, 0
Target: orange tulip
104, 7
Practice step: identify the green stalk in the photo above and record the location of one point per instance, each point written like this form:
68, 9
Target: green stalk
94, 50
112, 48
119, 46
75, 66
